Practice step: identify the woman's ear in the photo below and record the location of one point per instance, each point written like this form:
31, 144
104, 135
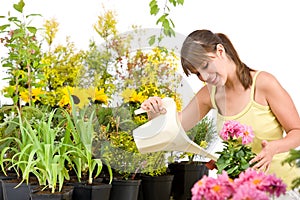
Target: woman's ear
220, 49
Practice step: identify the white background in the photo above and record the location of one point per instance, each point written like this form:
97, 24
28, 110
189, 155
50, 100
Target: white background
265, 32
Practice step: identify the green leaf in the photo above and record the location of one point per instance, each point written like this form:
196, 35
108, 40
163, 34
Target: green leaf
19, 7
32, 29
33, 15
180, 2
154, 9
3, 27
152, 40
231, 170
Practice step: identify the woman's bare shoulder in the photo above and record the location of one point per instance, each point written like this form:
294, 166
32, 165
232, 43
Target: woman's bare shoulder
268, 84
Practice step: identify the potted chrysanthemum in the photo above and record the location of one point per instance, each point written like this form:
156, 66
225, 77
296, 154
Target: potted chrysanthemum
236, 180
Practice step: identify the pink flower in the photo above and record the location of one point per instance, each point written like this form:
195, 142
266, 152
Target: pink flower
234, 130
273, 185
247, 134
250, 185
214, 189
249, 192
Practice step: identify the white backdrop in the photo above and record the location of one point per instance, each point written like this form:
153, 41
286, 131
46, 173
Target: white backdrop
264, 32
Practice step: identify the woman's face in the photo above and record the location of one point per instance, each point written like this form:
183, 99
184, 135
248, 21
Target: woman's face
212, 71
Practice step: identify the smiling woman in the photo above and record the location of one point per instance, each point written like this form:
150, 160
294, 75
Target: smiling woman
265, 27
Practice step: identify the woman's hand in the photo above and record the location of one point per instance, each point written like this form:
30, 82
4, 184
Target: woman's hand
264, 158
154, 107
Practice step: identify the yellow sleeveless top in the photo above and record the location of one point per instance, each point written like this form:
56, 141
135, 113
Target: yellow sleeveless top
265, 127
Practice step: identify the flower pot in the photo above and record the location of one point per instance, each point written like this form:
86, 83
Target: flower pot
83, 191
156, 187
125, 189
9, 190
185, 176
37, 194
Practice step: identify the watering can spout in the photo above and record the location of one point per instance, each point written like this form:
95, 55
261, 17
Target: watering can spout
165, 133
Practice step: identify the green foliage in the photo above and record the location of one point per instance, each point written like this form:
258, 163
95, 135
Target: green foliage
39, 151
80, 126
63, 66
125, 159
294, 159
234, 158
22, 63
202, 134
164, 19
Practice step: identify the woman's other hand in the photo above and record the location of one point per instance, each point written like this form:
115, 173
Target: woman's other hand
263, 159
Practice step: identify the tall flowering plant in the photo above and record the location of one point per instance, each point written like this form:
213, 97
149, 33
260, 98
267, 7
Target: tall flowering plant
250, 185
235, 156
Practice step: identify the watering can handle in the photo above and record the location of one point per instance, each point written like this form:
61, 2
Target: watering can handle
139, 111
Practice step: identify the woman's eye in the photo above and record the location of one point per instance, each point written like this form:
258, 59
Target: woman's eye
206, 66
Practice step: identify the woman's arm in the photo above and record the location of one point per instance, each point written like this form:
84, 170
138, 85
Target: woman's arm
197, 108
269, 91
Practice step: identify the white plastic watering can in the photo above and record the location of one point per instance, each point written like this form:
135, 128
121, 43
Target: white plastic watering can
165, 133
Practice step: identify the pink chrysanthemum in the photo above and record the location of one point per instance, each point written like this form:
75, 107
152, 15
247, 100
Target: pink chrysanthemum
250, 185
249, 192
234, 130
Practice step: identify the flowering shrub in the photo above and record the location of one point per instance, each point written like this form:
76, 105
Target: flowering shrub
236, 155
249, 185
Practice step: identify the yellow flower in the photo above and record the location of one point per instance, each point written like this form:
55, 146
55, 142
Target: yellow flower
101, 96
127, 94
138, 97
36, 94
203, 144
24, 96
65, 100
80, 97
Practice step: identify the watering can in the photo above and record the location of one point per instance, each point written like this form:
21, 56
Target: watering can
165, 133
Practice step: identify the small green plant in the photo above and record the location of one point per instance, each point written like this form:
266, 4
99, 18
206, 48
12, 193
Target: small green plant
41, 151
81, 126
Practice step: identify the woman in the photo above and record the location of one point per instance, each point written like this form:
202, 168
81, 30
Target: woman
239, 93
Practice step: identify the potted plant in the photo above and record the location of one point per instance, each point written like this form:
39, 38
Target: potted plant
156, 177
81, 125
127, 162
41, 152
192, 167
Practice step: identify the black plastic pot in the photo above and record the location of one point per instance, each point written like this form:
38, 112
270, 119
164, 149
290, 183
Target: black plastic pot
95, 191
156, 187
186, 174
10, 191
37, 194
125, 189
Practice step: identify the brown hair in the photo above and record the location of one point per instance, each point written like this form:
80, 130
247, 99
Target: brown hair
200, 42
